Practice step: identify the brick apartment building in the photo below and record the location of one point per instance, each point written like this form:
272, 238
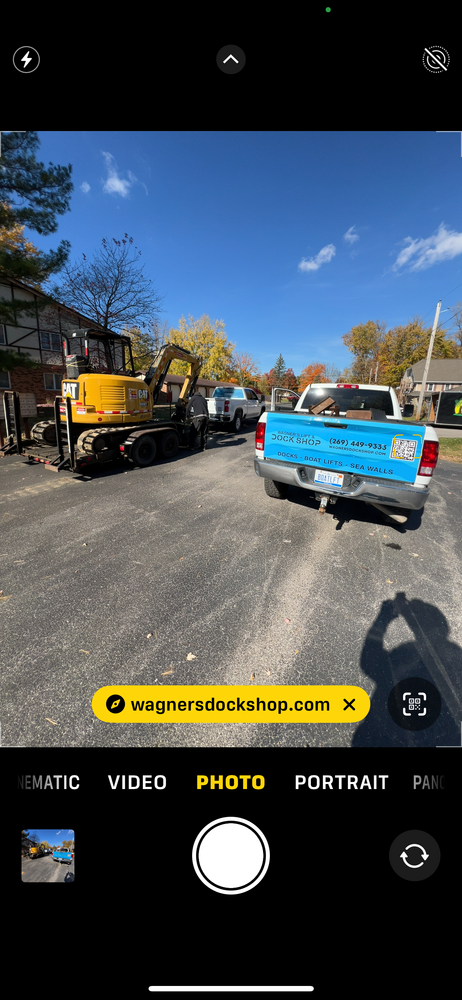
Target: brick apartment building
40, 337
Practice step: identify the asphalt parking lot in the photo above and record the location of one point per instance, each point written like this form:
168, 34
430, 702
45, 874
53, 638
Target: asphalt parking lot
187, 573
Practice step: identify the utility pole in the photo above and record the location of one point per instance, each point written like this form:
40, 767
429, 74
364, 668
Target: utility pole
427, 362
376, 370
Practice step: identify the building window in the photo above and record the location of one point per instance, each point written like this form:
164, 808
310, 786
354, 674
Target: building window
51, 342
2, 334
4, 380
53, 382
430, 386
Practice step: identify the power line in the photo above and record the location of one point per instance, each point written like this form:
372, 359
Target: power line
442, 297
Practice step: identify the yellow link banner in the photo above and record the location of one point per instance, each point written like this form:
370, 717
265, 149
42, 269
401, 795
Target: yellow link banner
229, 703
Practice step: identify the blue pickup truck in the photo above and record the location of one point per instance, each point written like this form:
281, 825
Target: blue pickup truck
346, 441
63, 856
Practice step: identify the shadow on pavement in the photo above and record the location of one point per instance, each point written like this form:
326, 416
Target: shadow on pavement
217, 439
345, 511
430, 656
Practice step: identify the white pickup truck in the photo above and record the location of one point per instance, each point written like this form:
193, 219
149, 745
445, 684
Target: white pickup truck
232, 406
346, 440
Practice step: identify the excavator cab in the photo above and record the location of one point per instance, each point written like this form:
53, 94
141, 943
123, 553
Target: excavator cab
88, 351
102, 383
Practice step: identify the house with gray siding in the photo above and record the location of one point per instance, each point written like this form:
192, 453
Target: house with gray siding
443, 374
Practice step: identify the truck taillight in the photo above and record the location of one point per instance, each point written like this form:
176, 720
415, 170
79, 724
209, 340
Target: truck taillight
429, 458
226, 406
260, 435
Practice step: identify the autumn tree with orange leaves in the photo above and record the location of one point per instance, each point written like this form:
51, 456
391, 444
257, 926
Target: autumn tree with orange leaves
318, 372
244, 369
312, 373
280, 377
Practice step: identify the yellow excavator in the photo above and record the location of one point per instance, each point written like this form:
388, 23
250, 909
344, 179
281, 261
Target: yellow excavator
36, 851
106, 410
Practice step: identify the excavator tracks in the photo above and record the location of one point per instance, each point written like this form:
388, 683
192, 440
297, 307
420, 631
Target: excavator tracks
44, 432
96, 441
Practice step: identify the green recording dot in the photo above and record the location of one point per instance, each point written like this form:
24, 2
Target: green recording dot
328, 9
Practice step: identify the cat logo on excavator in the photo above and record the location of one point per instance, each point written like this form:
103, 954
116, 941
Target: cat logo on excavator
71, 389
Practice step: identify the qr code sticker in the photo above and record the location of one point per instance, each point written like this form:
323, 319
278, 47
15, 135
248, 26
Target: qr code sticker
403, 449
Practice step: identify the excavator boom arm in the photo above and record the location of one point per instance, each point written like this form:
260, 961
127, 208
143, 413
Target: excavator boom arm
159, 368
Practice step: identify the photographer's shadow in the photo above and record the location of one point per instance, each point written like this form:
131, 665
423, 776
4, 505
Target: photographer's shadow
431, 656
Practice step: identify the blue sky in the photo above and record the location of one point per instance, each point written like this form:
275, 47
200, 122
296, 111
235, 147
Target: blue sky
52, 837
290, 238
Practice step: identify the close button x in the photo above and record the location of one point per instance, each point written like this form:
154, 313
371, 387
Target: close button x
349, 704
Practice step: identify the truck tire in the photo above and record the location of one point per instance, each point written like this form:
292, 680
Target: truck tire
143, 451
237, 422
169, 444
276, 490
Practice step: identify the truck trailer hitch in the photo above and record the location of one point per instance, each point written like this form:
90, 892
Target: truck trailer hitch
324, 501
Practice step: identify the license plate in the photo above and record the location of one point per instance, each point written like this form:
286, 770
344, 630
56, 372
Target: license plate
330, 478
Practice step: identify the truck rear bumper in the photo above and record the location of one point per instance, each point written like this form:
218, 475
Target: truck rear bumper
356, 488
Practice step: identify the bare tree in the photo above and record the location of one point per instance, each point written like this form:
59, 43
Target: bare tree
332, 372
456, 317
159, 332
244, 367
111, 289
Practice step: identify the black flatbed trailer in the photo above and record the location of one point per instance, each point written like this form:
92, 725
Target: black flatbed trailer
139, 443
446, 408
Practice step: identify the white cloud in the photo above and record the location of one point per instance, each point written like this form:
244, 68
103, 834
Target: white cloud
445, 244
114, 184
350, 236
85, 187
323, 257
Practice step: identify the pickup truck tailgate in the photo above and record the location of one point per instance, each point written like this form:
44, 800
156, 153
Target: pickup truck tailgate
387, 449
